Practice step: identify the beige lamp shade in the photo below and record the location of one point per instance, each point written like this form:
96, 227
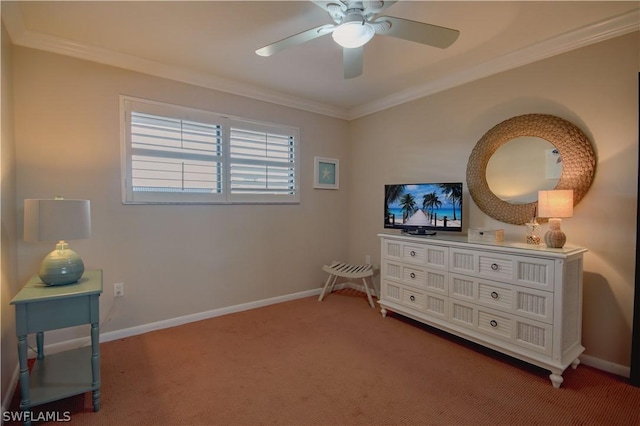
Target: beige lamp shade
58, 220
555, 203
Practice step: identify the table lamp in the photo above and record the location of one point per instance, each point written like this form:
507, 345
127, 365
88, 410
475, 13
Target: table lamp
58, 220
555, 205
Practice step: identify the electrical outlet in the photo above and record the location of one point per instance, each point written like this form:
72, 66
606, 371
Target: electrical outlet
367, 260
118, 290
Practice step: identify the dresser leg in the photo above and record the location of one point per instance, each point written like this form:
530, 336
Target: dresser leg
556, 379
383, 311
575, 363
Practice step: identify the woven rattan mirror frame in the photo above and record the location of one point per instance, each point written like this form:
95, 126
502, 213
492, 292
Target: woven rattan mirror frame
576, 151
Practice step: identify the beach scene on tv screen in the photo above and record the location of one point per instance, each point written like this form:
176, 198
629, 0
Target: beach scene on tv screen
437, 205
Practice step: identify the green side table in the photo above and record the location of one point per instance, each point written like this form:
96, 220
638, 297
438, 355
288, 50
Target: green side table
40, 308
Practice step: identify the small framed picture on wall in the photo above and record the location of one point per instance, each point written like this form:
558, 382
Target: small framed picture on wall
326, 173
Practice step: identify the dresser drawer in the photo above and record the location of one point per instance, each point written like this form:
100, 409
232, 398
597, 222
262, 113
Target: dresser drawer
513, 299
436, 257
403, 295
405, 252
424, 278
522, 332
532, 335
423, 301
521, 270
406, 274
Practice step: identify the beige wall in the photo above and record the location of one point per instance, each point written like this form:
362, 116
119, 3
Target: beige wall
430, 139
181, 260
8, 269
174, 260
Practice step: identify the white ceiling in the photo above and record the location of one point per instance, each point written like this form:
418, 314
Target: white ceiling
213, 43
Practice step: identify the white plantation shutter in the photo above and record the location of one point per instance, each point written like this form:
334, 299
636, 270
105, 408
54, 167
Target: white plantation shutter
174, 154
261, 160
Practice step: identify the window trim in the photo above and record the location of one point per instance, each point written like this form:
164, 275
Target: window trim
128, 104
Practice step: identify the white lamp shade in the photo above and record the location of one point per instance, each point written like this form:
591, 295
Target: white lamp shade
555, 203
58, 219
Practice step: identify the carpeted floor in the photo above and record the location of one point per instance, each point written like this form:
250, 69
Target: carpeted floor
337, 362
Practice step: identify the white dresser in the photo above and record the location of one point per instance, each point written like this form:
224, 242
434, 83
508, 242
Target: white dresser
521, 300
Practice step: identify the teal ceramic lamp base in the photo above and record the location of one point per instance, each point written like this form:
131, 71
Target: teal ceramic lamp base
61, 266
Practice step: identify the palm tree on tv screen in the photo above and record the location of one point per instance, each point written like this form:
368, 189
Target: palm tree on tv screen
391, 195
408, 204
453, 192
430, 202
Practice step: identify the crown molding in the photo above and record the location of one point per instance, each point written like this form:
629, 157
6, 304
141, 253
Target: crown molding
582, 37
20, 36
600, 31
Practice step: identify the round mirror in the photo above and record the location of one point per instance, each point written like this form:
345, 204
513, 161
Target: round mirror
522, 167
573, 151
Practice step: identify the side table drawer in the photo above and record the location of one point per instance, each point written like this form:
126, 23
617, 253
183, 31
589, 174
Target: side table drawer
57, 313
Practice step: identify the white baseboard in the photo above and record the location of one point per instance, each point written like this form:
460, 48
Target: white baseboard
609, 367
132, 331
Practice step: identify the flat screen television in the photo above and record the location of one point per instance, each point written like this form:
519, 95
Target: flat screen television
423, 208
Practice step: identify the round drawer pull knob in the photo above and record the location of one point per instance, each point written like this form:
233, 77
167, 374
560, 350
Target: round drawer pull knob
412, 298
412, 275
494, 295
413, 253
495, 266
493, 323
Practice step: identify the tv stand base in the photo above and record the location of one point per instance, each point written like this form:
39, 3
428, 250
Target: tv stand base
420, 233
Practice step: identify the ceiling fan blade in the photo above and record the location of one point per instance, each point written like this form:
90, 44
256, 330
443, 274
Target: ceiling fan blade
420, 32
352, 59
296, 39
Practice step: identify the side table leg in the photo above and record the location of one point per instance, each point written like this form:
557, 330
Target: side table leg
25, 402
40, 344
95, 365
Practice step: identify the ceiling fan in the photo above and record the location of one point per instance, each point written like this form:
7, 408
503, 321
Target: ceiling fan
356, 22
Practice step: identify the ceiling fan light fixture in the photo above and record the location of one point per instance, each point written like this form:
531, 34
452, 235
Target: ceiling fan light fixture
353, 34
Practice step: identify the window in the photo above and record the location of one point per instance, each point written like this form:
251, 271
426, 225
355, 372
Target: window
173, 154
